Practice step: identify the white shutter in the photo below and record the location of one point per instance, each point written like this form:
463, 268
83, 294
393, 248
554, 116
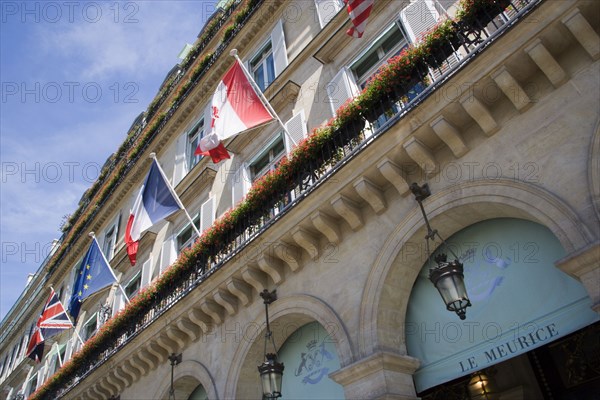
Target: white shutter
168, 253
180, 159
208, 117
69, 350
279, 50
341, 88
207, 214
327, 9
446, 4
418, 18
147, 272
296, 127
241, 184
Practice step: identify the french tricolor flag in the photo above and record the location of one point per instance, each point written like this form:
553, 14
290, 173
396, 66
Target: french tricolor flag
236, 108
154, 203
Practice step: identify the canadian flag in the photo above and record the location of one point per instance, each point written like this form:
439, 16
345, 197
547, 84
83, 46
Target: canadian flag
359, 11
235, 108
154, 202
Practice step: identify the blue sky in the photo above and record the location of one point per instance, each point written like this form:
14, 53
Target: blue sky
74, 76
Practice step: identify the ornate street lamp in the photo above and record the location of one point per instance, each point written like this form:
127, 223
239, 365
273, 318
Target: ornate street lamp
175, 360
270, 370
446, 276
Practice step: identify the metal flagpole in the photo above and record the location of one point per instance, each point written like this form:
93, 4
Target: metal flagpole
93, 236
67, 314
153, 156
234, 53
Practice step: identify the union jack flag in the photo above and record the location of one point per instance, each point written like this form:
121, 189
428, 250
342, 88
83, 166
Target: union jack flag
359, 11
52, 320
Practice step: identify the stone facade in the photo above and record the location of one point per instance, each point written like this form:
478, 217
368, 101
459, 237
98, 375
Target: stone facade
513, 133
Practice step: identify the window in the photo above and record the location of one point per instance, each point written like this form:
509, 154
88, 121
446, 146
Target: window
133, 287
263, 67
270, 59
110, 238
268, 159
187, 235
32, 384
193, 138
89, 329
386, 46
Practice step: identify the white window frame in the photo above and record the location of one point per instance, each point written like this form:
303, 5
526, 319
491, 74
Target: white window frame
278, 54
263, 58
137, 277
274, 158
110, 238
196, 132
382, 55
179, 247
92, 319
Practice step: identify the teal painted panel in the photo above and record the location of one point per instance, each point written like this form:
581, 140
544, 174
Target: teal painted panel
309, 355
520, 301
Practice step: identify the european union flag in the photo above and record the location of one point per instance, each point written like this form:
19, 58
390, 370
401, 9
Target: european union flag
94, 274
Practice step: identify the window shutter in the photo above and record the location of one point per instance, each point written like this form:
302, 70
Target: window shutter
168, 253
446, 4
240, 186
326, 10
341, 88
180, 159
418, 18
208, 117
147, 272
280, 58
207, 214
296, 127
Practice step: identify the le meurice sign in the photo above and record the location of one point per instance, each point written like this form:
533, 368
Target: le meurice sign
505, 350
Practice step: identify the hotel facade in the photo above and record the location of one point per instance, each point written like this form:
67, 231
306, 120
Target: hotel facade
505, 130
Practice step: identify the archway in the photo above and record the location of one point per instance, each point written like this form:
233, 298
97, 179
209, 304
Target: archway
521, 302
287, 315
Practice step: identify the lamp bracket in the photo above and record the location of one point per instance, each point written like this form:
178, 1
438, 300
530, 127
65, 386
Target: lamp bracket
268, 297
175, 359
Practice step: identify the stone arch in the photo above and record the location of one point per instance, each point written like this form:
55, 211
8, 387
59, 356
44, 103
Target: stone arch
286, 315
186, 377
383, 307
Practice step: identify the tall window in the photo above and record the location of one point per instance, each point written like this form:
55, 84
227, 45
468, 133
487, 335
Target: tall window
268, 159
193, 138
132, 288
89, 329
386, 46
107, 247
263, 67
187, 236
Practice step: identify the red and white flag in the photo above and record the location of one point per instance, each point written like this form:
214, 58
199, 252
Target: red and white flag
52, 320
359, 11
236, 108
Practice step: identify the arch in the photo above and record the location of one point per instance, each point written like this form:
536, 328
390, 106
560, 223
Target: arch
286, 315
186, 377
394, 271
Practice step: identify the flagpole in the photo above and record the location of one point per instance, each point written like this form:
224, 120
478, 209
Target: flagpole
172, 190
69, 318
93, 236
234, 53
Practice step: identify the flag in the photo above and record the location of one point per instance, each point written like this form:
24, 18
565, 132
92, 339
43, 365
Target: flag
155, 202
94, 274
52, 320
211, 145
236, 107
359, 11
